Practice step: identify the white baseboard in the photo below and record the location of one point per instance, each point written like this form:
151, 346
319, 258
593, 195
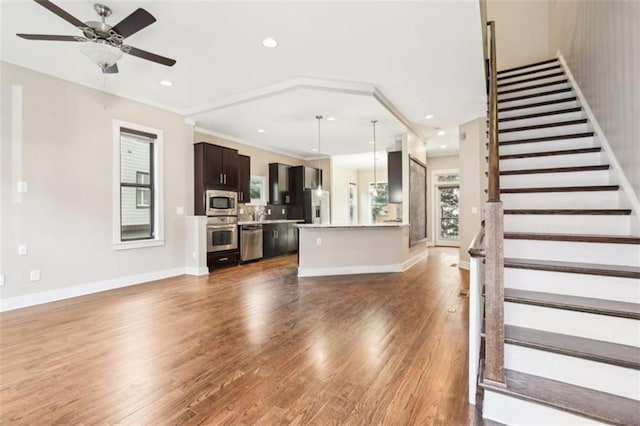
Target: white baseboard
197, 271
602, 138
27, 300
415, 259
463, 264
350, 270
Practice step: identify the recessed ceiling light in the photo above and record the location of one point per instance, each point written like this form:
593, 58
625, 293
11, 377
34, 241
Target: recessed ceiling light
428, 116
269, 42
443, 146
331, 119
441, 133
166, 83
314, 149
261, 130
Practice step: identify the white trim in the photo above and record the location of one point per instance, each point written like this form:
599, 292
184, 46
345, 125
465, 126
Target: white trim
262, 201
415, 259
16, 141
464, 264
18, 302
230, 138
602, 138
158, 163
350, 270
198, 272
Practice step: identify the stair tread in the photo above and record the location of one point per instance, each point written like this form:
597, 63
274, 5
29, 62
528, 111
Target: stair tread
534, 86
623, 271
584, 238
568, 169
576, 399
545, 125
571, 212
549, 138
580, 347
561, 189
524, 73
529, 79
538, 104
574, 303
535, 95
551, 153
535, 64
541, 114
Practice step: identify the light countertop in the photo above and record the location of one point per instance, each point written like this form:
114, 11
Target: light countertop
266, 222
347, 226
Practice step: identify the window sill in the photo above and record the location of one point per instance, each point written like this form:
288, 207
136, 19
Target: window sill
126, 245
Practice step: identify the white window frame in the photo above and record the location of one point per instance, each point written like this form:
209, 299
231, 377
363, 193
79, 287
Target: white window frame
434, 200
158, 198
262, 201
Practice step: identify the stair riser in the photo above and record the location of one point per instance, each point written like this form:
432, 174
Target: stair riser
534, 180
508, 76
568, 224
538, 109
544, 132
514, 411
590, 326
595, 286
545, 119
570, 160
566, 251
524, 92
541, 98
602, 377
562, 200
555, 145
501, 87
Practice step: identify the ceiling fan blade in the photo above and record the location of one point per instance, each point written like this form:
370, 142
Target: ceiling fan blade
133, 23
148, 56
51, 37
61, 13
113, 69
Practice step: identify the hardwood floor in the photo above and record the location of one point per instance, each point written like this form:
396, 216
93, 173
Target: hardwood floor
252, 344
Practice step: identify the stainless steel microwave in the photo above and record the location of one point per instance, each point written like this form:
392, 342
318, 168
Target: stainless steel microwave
221, 203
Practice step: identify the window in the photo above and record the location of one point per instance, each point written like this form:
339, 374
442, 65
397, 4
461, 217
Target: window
257, 190
379, 200
137, 186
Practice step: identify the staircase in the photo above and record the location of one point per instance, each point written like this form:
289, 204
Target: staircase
572, 267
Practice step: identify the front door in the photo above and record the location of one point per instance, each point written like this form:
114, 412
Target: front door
448, 215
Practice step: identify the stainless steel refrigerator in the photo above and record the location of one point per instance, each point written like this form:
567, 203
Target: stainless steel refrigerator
317, 206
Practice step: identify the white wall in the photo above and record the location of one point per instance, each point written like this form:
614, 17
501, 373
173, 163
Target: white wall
340, 179
522, 29
65, 155
471, 156
600, 41
446, 162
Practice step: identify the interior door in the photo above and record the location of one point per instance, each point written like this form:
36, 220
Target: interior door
448, 215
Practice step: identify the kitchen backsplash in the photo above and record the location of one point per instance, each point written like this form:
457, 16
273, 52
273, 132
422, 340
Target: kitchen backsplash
248, 212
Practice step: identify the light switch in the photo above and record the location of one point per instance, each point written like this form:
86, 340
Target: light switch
318, 241
23, 250
474, 210
34, 275
241, 211
23, 186
179, 210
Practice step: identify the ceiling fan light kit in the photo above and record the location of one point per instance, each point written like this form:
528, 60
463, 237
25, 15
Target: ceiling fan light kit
102, 43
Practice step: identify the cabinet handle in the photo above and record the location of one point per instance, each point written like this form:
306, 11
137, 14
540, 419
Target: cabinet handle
221, 178
222, 259
225, 178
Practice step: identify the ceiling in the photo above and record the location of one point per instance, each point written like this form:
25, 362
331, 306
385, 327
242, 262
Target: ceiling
391, 61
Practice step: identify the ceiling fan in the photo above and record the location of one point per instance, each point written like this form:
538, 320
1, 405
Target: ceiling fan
103, 43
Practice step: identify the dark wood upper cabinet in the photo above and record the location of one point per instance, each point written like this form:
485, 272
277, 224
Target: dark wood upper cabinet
215, 167
394, 179
244, 177
279, 183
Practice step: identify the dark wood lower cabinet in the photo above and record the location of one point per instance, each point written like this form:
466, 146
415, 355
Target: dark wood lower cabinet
220, 259
279, 239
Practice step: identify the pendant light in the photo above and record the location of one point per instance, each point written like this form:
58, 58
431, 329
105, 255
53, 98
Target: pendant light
374, 191
319, 190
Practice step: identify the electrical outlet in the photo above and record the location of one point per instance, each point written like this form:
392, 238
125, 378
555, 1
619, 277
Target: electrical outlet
23, 250
318, 241
23, 186
34, 275
474, 210
268, 211
179, 210
284, 211
241, 211
193, 255
1, 280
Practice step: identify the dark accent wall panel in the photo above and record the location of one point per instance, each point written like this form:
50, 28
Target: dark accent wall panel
417, 202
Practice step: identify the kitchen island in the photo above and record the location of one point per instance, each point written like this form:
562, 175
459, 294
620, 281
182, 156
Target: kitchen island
355, 249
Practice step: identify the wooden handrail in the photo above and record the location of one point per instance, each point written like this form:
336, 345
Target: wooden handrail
494, 236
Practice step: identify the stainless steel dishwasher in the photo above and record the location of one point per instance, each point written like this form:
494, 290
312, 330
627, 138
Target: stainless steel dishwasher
250, 242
